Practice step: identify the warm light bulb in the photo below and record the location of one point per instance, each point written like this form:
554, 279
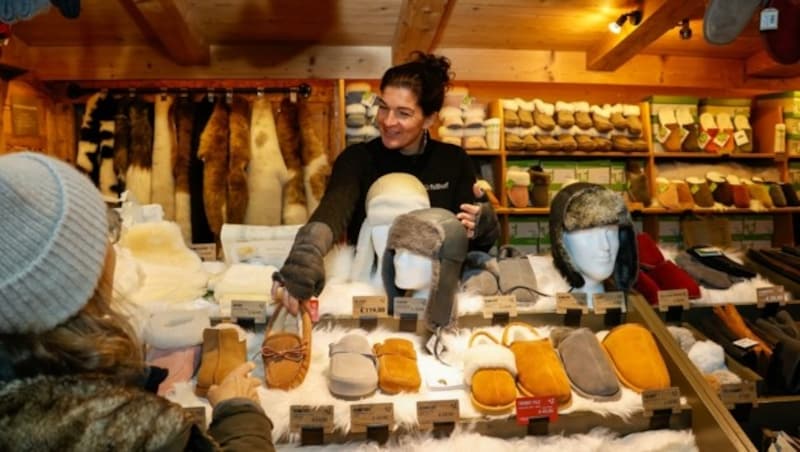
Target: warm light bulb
614, 27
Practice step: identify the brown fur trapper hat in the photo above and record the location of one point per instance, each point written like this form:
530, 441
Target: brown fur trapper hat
583, 205
434, 233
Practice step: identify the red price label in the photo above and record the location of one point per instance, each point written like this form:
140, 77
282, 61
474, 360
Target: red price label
312, 306
536, 407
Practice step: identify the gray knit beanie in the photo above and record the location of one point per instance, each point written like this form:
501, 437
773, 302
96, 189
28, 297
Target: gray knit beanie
53, 240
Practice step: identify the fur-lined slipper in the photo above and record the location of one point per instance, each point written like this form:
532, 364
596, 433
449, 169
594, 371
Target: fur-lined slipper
617, 118
514, 142
582, 118
510, 115
585, 143
490, 371
759, 192
540, 186
543, 115
633, 114
725, 125
685, 199
525, 113
517, 182
742, 124
600, 118
666, 118
353, 372
565, 115
224, 349
286, 349
541, 373
397, 366
587, 366
637, 361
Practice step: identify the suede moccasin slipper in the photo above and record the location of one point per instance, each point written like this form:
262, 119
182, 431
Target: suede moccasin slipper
490, 371
353, 373
540, 372
286, 349
587, 365
637, 360
397, 366
733, 321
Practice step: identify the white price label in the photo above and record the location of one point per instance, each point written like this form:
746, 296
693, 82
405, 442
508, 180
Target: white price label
310, 416
602, 302
370, 306
431, 412
571, 301
407, 306
669, 298
500, 304
370, 415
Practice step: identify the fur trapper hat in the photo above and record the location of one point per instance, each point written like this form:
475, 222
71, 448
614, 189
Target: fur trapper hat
583, 205
390, 195
434, 233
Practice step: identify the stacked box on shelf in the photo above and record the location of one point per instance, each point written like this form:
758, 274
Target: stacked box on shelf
757, 231
777, 108
594, 171
660, 131
525, 233
669, 230
617, 175
738, 238
561, 171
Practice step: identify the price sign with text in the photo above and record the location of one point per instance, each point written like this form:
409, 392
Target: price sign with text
661, 399
301, 416
571, 301
536, 407
369, 415
772, 294
249, 309
675, 297
602, 302
738, 393
370, 306
407, 306
206, 251
499, 304
431, 412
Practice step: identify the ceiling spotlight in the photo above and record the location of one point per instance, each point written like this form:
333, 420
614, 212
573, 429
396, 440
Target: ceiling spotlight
685, 31
634, 17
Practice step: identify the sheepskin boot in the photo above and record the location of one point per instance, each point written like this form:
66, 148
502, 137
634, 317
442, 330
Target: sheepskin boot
213, 151
162, 189
267, 173
239, 158
316, 167
139, 177
184, 121
294, 194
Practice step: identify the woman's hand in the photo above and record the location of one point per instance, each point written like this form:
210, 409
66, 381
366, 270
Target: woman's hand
238, 384
281, 295
469, 217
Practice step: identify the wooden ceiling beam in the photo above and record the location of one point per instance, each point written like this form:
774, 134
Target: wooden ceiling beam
419, 26
658, 16
14, 58
167, 21
761, 65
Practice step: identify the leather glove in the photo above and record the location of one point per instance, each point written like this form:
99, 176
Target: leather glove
303, 273
487, 228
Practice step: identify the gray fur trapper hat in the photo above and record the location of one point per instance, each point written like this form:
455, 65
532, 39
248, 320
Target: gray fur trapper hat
584, 205
434, 233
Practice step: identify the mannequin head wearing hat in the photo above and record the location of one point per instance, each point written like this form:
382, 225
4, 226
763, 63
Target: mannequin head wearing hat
413, 272
56, 275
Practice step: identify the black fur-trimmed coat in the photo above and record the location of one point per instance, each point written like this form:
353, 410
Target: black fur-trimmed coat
83, 413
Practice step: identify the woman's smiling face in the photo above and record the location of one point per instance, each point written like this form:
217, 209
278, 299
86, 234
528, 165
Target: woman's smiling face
400, 119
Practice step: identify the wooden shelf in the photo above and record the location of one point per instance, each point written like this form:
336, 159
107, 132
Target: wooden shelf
573, 154
727, 211
483, 153
710, 156
523, 210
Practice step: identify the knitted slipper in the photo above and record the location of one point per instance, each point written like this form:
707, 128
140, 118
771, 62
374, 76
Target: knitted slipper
490, 371
540, 372
637, 360
397, 366
286, 349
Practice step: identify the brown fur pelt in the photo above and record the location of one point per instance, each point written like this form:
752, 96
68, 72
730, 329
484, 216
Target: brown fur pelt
267, 172
238, 160
122, 140
182, 158
213, 151
140, 156
316, 167
295, 210
162, 190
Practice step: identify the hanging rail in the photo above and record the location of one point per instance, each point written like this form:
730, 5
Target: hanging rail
75, 91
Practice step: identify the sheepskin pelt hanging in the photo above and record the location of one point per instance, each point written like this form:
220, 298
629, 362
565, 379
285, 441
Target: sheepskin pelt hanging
201, 231
295, 210
99, 107
162, 189
316, 167
213, 151
267, 172
122, 141
184, 121
107, 182
140, 157
238, 159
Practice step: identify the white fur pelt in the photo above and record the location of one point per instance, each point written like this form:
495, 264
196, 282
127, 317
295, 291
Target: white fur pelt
162, 190
316, 167
597, 440
108, 176
267, 172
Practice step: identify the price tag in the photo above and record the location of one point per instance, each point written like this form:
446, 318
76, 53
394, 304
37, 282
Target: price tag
499, 304
571, 300
206, 251
676, 297
733, 393
768, 20
311, 416
662, 134
370, 306
536, 407
405, 306
708, 251
745, 343
602, 302
249, 309
703, 138
197, 414
431, 412
661, 399
740, 137
369, 415
684, 134
772, 294
722, 138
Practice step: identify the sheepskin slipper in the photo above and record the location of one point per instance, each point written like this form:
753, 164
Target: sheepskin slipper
721, 190
667, 193
353, 370
637, 361
741, 195
397, 366
701, 192
224, 349
286, 349
587, 366
540, 372
490, 371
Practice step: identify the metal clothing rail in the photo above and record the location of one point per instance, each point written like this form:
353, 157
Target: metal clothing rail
75, 91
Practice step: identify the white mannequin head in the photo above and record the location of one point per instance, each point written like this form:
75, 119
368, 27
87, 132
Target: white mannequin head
379, 235
594, 253
412, 271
